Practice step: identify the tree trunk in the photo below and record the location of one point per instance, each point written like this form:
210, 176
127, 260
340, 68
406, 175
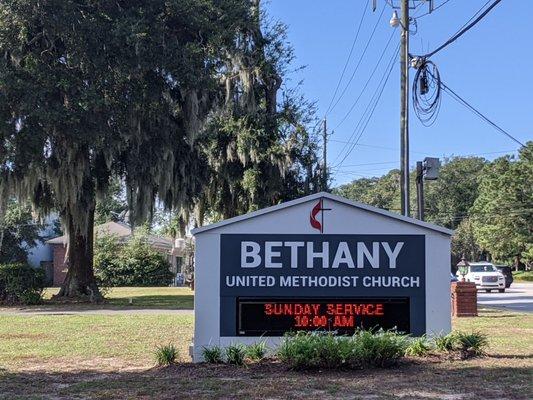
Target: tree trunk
80, 281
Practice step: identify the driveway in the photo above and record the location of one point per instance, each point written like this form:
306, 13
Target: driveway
519, 297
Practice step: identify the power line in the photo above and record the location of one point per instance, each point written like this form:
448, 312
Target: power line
432, 11
391, 62
373, 146
348, 58
377, 97
360, 59
369, 105
367, 81
463, 30
462, 101
424, 152
373, 163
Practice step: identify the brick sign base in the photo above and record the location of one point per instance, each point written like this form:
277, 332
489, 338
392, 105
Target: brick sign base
464, 299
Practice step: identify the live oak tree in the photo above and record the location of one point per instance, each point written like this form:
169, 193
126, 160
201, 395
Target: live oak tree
258, 147
91, 90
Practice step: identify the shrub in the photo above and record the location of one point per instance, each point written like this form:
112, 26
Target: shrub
20, 284
256, 351
212, 354
472, 344
325, 350
135, 263
379, 349
166, 355
235, 354
418, 347
446, 343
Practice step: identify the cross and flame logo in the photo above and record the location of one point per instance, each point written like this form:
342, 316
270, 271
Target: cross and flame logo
318, 208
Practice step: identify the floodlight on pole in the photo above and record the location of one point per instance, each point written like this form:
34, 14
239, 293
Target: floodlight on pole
394, 21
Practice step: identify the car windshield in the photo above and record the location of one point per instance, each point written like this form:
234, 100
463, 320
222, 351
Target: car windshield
482, 268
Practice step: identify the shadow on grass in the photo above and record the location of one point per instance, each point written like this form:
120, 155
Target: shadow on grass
164, 302
513, 357
271, 380
181, 302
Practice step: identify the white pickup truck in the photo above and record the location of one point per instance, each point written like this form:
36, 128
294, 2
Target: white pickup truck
484, 274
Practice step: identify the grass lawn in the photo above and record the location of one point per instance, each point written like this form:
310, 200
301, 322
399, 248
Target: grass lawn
177, 298
523, 276
102, 356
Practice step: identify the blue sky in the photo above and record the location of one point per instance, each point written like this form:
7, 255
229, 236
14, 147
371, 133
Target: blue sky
489, 66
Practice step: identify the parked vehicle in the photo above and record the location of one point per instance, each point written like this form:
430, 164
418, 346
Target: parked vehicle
453, 278
485, 275
507, 273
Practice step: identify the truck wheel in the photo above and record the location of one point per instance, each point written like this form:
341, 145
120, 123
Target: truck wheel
501, 290
488, 290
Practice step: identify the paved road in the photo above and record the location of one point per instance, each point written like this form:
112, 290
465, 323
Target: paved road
519, 297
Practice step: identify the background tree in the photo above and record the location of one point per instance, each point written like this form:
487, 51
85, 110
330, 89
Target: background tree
112, 205
450, 197
382, 192
488, 204
18, 233
503, 211
464, 243
131, 263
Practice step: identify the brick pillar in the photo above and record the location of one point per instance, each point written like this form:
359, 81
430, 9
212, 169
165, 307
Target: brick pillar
464, 299
60, 268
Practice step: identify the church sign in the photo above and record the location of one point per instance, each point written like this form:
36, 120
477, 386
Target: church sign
307, 267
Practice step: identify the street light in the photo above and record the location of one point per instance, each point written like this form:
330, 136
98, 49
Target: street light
394, 21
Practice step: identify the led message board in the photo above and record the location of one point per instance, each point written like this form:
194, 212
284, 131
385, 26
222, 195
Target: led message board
274, 317
272, 284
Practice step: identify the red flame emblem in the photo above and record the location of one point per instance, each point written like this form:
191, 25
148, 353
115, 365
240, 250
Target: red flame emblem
315, 223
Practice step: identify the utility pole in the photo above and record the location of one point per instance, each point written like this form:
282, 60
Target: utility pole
425, 170
404, 23
404, 108
420, 189
324, 157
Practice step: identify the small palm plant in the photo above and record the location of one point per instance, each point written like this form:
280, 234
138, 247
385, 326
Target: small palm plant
212, 354
256, 351
166, 355
235, 354
472, 344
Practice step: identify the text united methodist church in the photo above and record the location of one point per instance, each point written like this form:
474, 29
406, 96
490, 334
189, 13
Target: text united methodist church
270, 255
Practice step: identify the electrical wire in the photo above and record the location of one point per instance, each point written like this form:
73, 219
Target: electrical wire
432, 11
426, 92
360, 60
463, 30
349, 57
375, 100
349, 143
426, 152
367, 82
462, 101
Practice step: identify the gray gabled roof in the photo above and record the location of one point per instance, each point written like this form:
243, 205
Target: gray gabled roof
122, 231
325, 195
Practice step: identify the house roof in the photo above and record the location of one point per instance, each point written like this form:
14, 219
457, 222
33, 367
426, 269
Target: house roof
120, 229
329, 196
